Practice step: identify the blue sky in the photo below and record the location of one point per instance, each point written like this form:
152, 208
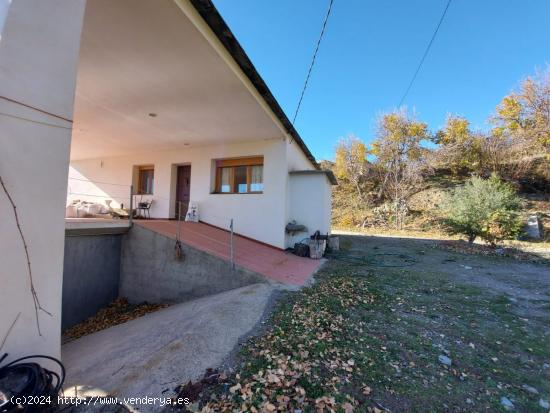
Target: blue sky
371, 49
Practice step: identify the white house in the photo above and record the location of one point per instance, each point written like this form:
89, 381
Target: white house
157, 95
167, 101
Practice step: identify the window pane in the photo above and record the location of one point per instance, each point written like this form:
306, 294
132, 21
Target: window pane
257, 178
225, 184
240, 179
150, 175
146, 178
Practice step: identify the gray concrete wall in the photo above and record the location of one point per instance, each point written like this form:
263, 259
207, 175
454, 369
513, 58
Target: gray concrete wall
91, 275
150, 272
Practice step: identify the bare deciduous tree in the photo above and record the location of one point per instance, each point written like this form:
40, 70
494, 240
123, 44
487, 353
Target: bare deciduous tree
351, 164
524, 115
459, 149
401, 159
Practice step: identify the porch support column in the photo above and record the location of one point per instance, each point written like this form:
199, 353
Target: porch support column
39, 48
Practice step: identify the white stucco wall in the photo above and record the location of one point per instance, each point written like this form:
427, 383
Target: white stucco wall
4, 7
309, 197
310, 204
259, 216
38, 55
296, 159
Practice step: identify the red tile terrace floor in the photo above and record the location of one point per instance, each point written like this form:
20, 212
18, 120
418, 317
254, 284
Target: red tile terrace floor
269, 261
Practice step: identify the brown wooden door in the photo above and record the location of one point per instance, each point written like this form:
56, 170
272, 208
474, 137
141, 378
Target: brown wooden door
183, 187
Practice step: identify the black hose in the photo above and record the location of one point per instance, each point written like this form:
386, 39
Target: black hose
28, 387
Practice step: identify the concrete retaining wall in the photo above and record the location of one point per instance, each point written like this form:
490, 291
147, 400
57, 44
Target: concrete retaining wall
150, 272
91, 275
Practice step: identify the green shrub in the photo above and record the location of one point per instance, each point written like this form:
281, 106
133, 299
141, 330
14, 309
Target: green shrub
485, 208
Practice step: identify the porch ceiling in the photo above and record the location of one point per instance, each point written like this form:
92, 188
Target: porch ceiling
141, 57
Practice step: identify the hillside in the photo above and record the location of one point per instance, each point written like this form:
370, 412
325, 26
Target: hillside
423, 216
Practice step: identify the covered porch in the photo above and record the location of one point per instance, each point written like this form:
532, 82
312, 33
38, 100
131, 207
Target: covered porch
273, 263
168, 111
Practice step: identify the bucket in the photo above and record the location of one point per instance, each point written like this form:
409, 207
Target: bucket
317, 248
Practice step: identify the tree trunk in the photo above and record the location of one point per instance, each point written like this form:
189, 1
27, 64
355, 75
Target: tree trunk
471, 239
359, 191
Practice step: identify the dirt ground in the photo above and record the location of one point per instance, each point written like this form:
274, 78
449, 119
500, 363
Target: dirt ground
400, 325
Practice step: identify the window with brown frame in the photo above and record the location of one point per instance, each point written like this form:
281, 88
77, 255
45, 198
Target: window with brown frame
146, 177
240, 176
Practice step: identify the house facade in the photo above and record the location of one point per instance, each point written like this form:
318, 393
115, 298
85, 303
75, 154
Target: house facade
251, 184
153, 95
176, 110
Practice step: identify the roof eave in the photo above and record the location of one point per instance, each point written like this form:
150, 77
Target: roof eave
327, 172
214, 20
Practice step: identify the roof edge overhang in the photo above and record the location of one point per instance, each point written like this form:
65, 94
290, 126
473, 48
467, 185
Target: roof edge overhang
327, 172
218, 26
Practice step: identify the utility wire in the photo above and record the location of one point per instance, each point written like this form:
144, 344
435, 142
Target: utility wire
98, 182
35, 108
35, 121
99, 196
313, 60
425, 53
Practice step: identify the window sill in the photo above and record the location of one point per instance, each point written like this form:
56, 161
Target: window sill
237, 193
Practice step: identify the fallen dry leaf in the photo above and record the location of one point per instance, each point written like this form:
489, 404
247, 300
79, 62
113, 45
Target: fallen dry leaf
117, 312
348, 408
270, 407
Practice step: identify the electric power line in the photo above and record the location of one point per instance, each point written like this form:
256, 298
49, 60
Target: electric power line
7, 99
425, 53
313, 61
34, 121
